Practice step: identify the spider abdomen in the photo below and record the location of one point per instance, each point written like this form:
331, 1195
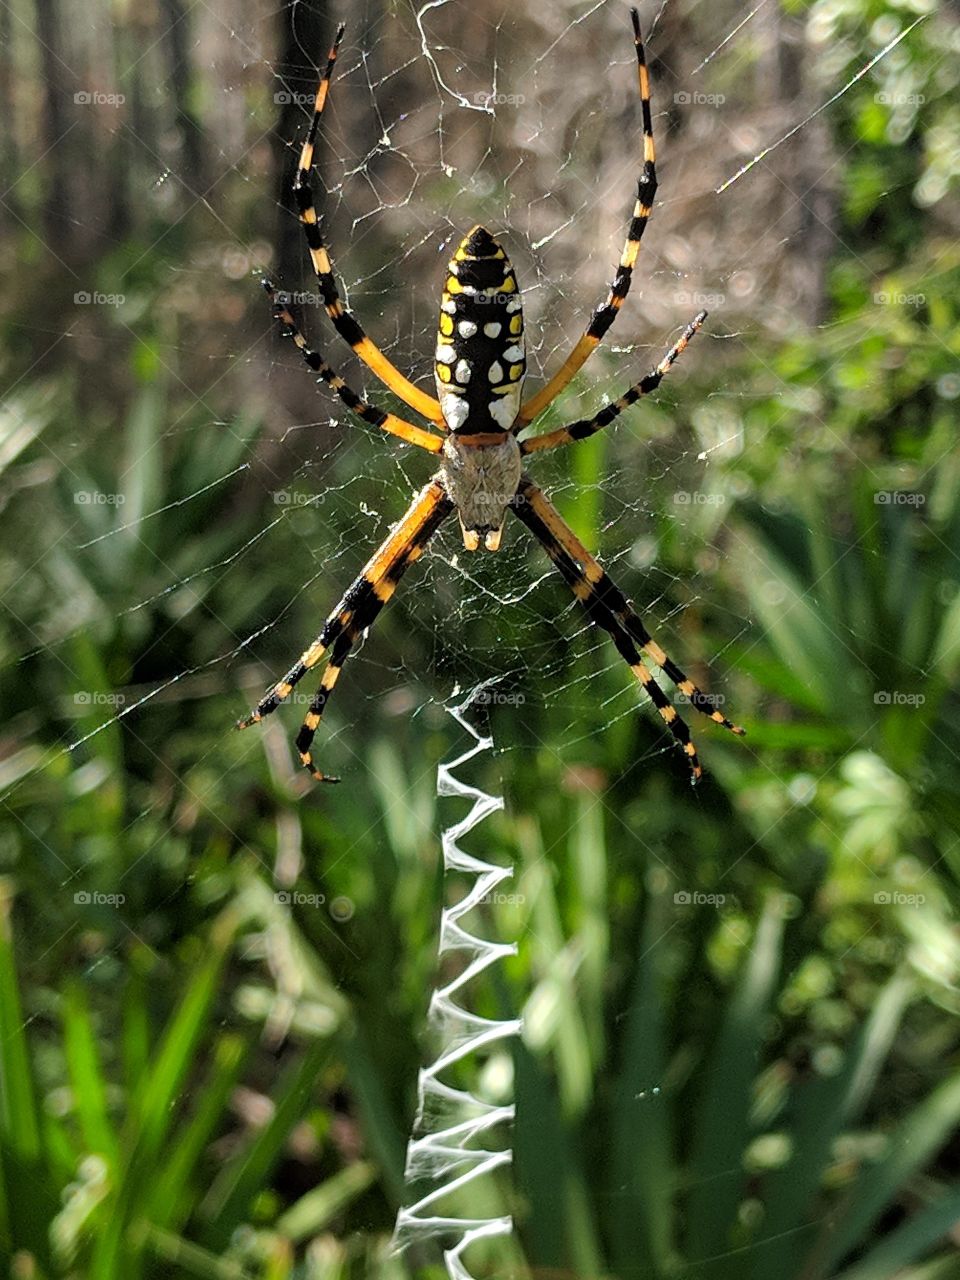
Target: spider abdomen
480, 356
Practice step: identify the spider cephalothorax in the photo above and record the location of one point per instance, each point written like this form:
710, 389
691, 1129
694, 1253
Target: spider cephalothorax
477, 420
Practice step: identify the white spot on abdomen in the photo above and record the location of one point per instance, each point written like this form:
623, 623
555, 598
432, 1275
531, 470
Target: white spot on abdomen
504, 409
454, 409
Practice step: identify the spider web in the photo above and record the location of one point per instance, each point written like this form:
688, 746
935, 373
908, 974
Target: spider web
530, 127
525, 119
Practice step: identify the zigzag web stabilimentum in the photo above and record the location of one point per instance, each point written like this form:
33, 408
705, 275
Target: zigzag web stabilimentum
460, 1137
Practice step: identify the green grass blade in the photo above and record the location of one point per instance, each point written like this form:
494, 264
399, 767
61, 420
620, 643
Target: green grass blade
150, 1121
314, 1211
135, 1034
170, 1204
380, 1123
553, 1016
191, 1259
588, 878
227, 1204
910, 1146
558, 1227
86, 1075
642, 1174
178, 1047
824, 1109
27, 1203
721, 1122
791, 618
905, 1245
946, 1267
18, 1113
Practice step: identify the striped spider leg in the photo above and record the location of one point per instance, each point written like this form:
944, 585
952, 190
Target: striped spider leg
607, 607
585, 428
605, 314
344, 321
357, 611
368, 412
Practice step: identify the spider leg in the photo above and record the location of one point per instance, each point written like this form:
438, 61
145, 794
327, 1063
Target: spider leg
606, 606
368, 412
605, 314
344, 321
356, 612
588, 427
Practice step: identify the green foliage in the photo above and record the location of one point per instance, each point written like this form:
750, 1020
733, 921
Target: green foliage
740, 1055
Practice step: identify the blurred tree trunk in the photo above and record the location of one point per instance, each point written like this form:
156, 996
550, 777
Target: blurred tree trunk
57, 94
786, 70
9, 163
176, 24
305, 35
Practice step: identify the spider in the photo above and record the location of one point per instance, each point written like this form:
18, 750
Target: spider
478, 417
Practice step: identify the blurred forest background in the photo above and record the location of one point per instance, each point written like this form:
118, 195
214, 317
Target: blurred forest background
741, 1056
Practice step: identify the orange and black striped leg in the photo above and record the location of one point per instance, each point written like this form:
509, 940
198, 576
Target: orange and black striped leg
368, 412
606, 605
601, 584
588, 427
344, 321
605, 315
355, 613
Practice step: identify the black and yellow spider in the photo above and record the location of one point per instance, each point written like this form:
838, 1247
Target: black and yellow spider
479, 368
